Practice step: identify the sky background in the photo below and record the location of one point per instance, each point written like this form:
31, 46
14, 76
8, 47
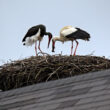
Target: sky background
17, 16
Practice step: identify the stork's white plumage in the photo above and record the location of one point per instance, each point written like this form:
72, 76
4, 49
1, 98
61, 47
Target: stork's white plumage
68, 30
70, 33
34, 34
31, 40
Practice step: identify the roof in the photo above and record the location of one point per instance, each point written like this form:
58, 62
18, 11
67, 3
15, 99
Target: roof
84, 92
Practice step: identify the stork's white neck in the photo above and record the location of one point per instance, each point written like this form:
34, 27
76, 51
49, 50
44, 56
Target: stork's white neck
58, 38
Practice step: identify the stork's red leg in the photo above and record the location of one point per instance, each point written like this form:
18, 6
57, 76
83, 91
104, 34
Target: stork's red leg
76, 47
72, 48
39, 48
36, 48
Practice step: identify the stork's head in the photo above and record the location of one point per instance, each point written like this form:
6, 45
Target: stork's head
53, 45
54, 39
49, 38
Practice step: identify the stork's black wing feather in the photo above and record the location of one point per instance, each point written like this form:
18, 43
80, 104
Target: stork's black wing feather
33, 30
79, 34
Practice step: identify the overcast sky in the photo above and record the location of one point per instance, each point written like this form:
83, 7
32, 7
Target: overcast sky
17, 16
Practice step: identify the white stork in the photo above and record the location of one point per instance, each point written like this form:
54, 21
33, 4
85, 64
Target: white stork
70, 33
34, 34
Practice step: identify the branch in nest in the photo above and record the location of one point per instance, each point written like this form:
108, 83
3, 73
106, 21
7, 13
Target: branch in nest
54, 72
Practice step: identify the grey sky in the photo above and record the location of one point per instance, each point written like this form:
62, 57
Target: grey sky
17, 16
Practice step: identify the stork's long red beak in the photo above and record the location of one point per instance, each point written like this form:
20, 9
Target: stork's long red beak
53, 46
50, 37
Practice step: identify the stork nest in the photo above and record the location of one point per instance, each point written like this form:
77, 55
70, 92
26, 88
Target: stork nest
38, 69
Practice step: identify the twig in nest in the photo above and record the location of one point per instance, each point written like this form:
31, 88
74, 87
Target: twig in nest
38, 74
76, 66
43, 53
92, 53
54, 72
46, 59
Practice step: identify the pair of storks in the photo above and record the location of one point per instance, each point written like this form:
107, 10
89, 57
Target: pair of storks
67, 33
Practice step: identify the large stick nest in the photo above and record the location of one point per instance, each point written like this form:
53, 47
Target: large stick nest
45, 68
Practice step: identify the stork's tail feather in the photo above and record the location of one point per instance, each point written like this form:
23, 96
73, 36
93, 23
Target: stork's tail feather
23, 39
81, 34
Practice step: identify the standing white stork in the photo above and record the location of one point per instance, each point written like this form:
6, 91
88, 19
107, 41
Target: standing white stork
70, 33
34, 34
